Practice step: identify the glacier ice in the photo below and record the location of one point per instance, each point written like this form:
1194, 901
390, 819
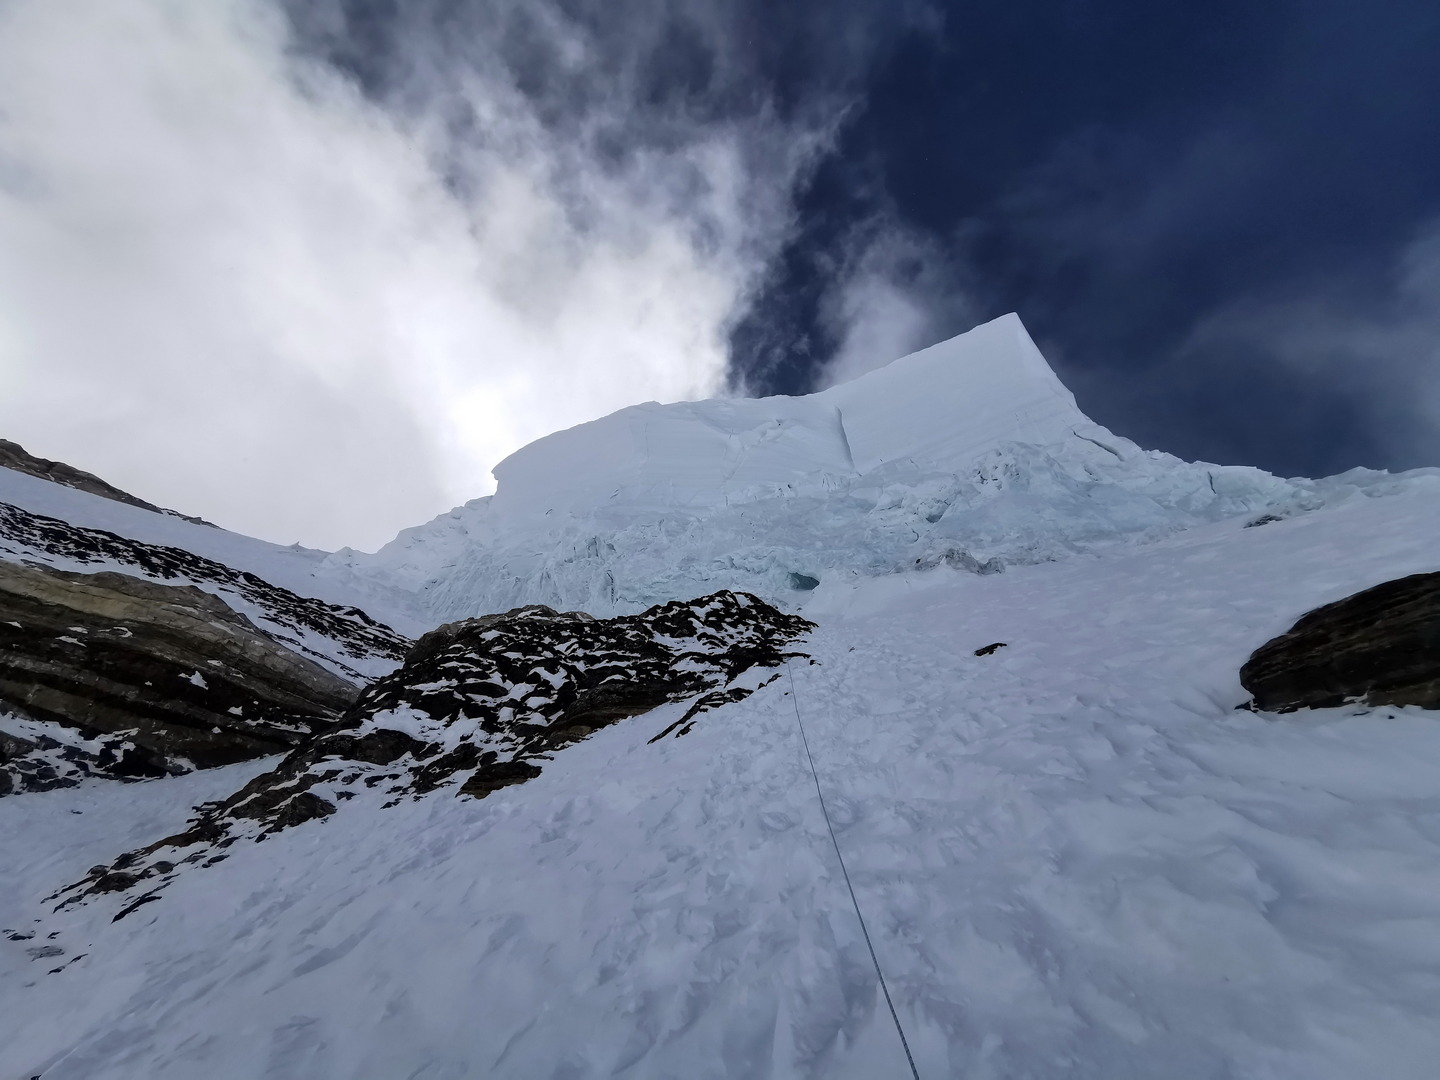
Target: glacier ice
969, 453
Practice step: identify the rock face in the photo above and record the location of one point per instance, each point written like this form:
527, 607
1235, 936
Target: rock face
477, 706
1380, 646
165, 677
343, 638
14, 456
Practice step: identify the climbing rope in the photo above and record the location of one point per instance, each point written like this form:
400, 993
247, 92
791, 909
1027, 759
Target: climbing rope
904, 1042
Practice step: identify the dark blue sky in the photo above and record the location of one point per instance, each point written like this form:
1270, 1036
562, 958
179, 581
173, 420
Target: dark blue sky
1220, 221
1127, 174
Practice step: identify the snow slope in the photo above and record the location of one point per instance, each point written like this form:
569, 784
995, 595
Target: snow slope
1076, 859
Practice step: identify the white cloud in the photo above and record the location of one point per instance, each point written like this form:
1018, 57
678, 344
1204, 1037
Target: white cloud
233, 285
883, 322
897, 298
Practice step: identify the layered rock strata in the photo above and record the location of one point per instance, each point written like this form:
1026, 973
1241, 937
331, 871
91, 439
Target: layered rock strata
343, 638
1380, 646
170, 674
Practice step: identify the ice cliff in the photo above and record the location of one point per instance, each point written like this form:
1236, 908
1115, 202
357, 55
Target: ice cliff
970, 452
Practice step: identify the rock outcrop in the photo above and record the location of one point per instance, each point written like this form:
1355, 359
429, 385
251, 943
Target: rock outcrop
478, 705
342, 638
166, 677
37, 755
16, 457
1380, 646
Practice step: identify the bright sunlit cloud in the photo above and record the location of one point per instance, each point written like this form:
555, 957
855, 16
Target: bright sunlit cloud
233, 284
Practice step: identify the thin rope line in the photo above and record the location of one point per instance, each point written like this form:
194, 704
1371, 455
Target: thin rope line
904, 1042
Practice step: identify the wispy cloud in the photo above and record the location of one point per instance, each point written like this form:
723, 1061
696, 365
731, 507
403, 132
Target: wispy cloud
897, 294
1372, 340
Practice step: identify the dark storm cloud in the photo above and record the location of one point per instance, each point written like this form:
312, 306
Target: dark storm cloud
1175, 198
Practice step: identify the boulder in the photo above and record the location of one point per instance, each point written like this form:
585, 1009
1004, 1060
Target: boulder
1380, 646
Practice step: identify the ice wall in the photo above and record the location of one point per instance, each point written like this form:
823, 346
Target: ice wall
970, 453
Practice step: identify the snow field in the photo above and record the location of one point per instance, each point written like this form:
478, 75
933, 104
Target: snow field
1075, 857
1090, 866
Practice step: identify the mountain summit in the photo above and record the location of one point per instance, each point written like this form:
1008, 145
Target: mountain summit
939, 408
970, 452
599, 776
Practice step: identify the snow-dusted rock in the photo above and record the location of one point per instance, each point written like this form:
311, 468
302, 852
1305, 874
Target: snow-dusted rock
476, 706
169, 674
343, 639
42, 755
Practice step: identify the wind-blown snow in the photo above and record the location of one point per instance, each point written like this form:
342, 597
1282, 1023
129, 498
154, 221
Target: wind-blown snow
1077, 860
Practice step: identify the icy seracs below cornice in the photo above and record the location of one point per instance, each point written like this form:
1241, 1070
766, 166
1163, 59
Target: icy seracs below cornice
970, 452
